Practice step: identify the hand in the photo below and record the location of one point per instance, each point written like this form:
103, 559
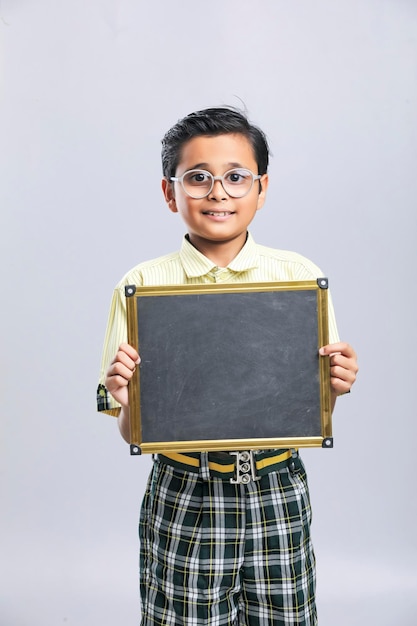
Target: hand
343, 366
120, 373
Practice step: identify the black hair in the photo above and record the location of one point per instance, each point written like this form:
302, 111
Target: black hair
211, 122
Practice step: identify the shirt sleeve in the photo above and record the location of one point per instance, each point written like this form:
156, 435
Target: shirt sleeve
116, 333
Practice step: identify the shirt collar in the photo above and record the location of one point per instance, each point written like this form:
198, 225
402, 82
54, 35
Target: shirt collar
196, 264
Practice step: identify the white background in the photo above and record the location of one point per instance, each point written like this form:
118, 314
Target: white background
88, 88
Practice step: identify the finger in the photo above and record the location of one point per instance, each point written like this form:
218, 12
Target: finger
343, 374
130, 352
341, 347
347, 363
337, 358
340, 387
122, 370
342, 379
126, 360
116, 382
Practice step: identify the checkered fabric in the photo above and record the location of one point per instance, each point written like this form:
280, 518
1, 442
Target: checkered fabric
215, 553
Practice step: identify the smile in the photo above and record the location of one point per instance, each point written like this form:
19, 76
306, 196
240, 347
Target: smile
218, 213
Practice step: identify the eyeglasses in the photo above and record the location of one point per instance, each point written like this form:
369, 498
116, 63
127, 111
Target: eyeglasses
198, 183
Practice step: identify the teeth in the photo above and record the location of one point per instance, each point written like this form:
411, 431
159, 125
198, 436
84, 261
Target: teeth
218, 213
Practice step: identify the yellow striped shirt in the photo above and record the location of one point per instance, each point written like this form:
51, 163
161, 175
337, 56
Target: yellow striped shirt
254, 263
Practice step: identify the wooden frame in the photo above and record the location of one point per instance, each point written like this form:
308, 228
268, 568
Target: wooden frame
229, 366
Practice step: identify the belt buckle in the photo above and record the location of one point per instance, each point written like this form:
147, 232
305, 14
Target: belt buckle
245, 468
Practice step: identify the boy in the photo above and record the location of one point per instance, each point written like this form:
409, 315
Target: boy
215, 552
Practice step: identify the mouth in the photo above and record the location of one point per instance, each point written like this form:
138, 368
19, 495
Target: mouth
218, 213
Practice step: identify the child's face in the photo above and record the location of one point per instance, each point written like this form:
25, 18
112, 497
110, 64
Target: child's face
218, 217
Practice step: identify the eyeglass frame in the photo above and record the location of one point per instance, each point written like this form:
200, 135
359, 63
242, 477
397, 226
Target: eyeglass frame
180, 179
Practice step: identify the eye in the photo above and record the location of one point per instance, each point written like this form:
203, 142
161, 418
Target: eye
197, 177
238, 177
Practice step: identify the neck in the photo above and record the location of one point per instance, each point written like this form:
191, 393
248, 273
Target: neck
220, 252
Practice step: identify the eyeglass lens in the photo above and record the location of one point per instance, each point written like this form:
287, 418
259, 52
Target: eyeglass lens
236, 182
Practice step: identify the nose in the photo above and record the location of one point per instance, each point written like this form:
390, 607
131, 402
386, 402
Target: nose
218, 192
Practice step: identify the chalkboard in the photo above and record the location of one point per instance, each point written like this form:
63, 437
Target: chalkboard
229, 367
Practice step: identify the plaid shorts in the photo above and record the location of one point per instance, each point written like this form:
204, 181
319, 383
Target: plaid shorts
215, 553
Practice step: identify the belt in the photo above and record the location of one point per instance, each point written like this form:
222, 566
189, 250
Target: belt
238, 467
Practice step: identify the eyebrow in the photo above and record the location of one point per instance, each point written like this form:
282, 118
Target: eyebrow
231, 165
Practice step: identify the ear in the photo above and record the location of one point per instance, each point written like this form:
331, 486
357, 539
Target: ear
262, 194
168, 191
